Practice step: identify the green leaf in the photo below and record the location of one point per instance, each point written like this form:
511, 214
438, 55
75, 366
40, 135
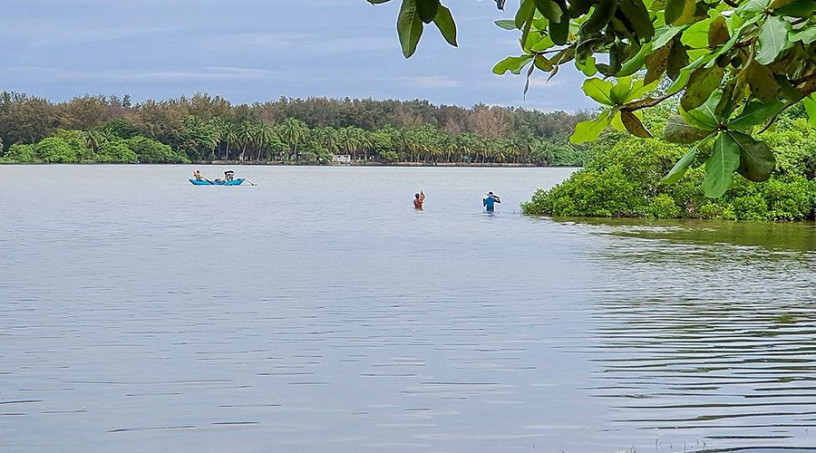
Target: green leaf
807, 35
635, 63
639, 89
587, 66
599, 90
754, 113
702, 83
549, 9
705, 116
753, 6
757, 161
677, 130
679, 169
634, 125
559, 31
507, 24
541, 62
409, 27
679, 12
773, 39
621, 90
797, 8
427, 10
525, 13
678, 59
680, 82
665, 34
587, 131
761, 82
638, 15
512, 64
656, 64
718, 32
446, 25
810, 108
696, 36
720, 167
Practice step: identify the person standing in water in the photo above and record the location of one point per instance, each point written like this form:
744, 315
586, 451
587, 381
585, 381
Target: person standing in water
489, 201
419, 198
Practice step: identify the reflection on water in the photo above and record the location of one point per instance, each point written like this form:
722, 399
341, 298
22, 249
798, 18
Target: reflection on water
318, 311
709, 329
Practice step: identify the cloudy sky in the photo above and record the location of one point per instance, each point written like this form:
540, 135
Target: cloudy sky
259, 50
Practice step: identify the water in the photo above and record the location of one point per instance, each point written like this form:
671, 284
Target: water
317, 311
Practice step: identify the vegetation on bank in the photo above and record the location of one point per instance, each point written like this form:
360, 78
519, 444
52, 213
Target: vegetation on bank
99, 129
626, 178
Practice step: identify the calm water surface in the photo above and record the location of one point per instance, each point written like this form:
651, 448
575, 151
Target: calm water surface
317, 311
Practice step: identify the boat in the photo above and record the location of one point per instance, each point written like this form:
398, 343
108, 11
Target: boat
217, 182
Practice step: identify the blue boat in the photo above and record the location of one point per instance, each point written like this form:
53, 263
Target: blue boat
217, 182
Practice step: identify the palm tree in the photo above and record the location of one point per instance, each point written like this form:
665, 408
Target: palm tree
293, 132
264, 134
349, 140
328, 139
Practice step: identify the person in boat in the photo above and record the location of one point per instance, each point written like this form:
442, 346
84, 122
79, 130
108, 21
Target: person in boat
229, 175
197, 176
419, 198
489, 201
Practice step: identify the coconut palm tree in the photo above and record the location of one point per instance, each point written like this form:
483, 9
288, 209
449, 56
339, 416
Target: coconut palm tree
293, 132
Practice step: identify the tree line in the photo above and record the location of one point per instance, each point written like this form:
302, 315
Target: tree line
206, 128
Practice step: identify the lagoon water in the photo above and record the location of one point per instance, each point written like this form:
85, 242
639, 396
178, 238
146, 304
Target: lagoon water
318, 312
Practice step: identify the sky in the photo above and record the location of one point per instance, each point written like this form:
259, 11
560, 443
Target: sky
259, 50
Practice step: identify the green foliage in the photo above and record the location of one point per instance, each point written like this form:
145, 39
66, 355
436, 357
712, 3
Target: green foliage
56, 150
19, 152
151, 151
625, 180
663, 206
737, 66
116, 152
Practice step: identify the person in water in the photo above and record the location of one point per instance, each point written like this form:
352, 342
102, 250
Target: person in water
419, 198
197, 175
489, 200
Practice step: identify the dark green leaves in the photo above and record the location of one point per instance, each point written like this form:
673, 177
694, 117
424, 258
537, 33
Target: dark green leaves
409, 27
679, 169
720, 167
637, 14
426, 9
444, 22
753, 114
548, 9
796, 8
757, 161
679, 12
412, 17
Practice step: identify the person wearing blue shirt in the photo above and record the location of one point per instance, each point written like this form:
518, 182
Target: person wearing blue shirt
489, 200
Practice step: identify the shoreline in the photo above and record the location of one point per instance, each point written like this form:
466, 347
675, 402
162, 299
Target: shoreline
306, 164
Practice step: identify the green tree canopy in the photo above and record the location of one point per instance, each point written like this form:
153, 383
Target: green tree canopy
735, 65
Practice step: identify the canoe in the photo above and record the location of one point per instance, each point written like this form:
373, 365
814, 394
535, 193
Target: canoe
234, 182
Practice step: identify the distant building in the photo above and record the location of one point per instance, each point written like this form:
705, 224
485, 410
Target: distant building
341, 158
